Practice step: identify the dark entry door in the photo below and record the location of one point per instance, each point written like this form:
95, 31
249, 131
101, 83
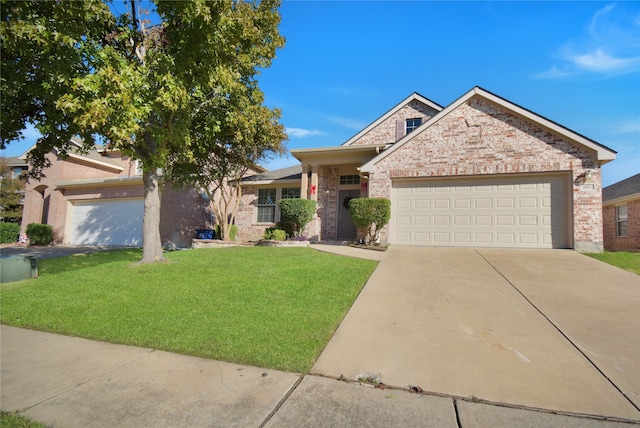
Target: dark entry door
346, 228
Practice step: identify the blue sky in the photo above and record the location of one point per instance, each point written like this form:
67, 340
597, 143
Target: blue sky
347, 63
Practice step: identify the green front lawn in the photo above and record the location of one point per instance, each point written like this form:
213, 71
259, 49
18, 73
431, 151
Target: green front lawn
622, 259
267, 307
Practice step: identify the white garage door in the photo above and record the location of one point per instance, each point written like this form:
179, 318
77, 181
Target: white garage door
521, 212
113, 222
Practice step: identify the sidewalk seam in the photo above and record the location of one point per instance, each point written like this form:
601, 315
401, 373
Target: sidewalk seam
281, 402
560, 331
455, 409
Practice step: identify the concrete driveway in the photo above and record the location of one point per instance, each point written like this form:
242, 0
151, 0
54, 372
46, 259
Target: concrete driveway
546, 329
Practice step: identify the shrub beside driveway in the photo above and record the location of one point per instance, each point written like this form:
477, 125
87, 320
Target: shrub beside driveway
267, 307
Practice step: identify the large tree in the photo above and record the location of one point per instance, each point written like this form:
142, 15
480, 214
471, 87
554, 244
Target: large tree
137, 83
230, 142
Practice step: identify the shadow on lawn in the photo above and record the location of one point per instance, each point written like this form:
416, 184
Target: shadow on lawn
81, 261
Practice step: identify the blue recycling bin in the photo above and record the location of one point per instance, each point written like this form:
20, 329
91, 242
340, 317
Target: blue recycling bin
204, 234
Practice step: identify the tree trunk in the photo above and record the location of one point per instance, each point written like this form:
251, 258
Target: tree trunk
151, 242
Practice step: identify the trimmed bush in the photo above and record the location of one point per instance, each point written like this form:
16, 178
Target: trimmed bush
39, 234
9, 232
297, 212
275, 234
370, 213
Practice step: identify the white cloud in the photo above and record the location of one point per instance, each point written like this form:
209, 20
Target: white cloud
601, 62
354, 124
628, 126
609, 46
303, 133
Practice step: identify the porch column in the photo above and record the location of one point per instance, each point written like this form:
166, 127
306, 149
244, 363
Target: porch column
314, 182
304, 183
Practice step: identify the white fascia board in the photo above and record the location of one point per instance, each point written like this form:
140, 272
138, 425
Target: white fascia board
414, 96
621, 200
96, 162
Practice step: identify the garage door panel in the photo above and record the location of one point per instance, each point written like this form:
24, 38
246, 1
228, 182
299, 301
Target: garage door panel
113, 222
518, 211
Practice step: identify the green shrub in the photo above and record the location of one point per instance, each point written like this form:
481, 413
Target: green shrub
233, 232
275, 234
39, 234
9, 232
370, 213
298, 212
290, 228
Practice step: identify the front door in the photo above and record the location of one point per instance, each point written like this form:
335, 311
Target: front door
346, 228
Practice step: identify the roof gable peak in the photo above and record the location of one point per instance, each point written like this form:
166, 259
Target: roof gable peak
413, 97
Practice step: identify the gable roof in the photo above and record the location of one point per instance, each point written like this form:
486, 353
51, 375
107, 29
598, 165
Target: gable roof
604, 153
290, 173
93, 156
413, 97
629, 187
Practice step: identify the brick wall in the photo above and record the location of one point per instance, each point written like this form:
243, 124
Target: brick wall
385, 132
480, 138
181, 211
611, 239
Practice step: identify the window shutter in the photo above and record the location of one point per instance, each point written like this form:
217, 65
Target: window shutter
401, 128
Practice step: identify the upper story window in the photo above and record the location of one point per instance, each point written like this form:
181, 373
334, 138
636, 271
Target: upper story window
138, 165
17, 172
290, 193
350, 179
412, 124
622, 221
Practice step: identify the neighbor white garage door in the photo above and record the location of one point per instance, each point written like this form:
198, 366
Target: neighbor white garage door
522, 212
113, 222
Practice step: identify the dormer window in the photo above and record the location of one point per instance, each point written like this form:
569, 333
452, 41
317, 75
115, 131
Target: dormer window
412, 124
405, 126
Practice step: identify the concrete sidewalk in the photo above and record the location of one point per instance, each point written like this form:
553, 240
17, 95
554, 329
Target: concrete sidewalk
71, 382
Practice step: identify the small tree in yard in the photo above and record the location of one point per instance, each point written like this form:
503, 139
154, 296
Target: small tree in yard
370, 213
297, 212
11, 194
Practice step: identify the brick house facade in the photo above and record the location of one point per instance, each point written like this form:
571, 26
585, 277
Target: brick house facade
621, 215
96, 198
480, 172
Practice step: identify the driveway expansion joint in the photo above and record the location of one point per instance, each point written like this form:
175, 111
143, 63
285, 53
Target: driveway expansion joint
593, 364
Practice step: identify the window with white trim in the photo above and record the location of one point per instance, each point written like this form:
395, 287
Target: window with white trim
622, 221
412, 124
290, 193
349, 179
267, 205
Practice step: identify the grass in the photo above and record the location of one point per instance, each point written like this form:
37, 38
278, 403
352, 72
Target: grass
622, 259
12, 420
267, 307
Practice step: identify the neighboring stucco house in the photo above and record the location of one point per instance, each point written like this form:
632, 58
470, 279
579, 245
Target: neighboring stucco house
96, 198
481, 171
621, 214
